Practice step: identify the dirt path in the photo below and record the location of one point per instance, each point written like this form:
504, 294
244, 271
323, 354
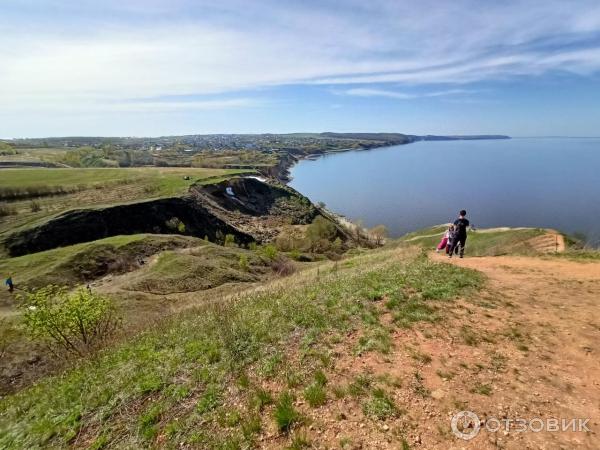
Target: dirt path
526, 347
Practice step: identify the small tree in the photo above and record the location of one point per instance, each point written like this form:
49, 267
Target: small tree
358, 231
243, 263
73, 322
336, 245
378, 233
229, 240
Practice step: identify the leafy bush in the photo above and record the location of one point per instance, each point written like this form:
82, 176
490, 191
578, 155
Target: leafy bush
269, 251
320, 233
73, 322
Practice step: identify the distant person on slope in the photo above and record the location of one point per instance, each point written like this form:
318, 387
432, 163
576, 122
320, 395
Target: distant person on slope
460, 227
9, 283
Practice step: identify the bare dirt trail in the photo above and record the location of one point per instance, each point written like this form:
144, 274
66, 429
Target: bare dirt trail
553, 311
525, 347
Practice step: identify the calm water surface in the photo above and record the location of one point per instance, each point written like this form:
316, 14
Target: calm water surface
551, 183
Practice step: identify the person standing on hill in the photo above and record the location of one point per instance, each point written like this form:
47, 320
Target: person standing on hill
460, 227
9, 283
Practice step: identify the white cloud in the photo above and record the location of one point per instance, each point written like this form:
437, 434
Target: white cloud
371, 92
73, 55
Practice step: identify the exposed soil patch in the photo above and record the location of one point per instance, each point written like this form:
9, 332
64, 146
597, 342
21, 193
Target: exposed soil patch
525, 347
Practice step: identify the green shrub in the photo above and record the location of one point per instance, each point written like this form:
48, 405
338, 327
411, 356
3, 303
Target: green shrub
174, 224
295, 254
269, 251
285, 414
75, 322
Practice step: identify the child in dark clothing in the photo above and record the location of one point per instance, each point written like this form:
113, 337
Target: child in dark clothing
452, 237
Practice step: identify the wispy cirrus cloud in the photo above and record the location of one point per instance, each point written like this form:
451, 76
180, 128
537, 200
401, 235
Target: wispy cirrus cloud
373, 92
97, 55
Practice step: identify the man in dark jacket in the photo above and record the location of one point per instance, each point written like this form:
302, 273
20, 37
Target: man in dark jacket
460, 226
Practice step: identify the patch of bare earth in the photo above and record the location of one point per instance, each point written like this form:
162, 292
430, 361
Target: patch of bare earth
526, 347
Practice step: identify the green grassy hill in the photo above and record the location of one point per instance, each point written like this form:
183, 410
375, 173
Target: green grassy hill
29, 196
86, 262
489, 242
271, 364
199, 379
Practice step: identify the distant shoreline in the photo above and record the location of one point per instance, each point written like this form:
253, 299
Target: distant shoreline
284, 175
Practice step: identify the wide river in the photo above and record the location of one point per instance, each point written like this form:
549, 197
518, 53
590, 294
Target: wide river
530, 182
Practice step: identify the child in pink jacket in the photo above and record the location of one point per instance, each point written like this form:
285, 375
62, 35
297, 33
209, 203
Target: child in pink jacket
444, 243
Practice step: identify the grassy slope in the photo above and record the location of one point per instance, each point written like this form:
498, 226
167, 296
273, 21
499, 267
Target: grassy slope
69, 265
170, 180
203, 267
94, 187
195, 380
482, 242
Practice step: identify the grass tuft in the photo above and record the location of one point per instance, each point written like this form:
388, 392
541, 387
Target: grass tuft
315, 395
285, 414
380, 406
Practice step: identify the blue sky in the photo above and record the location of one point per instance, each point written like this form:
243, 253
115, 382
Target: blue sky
157, 67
